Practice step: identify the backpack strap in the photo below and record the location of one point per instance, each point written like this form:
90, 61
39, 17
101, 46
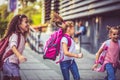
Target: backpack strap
119, 43
69, 44
107, 43
10, 52
69, 40
119, 48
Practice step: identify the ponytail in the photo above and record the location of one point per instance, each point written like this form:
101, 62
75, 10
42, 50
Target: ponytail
56, 19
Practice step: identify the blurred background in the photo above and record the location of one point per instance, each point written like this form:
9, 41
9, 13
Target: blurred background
95, 15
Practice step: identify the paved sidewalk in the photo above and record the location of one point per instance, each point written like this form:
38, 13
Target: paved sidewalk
36, 68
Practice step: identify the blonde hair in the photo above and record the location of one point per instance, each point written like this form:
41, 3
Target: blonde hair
55, 16
67, 24
111, 28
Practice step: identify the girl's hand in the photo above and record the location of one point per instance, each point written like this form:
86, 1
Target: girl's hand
22, 59
94, 66
80, 55
18, 54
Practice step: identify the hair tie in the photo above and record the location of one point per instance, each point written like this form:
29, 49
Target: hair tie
20, 16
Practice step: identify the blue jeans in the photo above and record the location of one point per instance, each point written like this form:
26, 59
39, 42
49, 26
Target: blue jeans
110, 71
69, 65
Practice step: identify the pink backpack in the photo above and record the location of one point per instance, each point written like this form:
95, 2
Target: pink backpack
52, 46
103, 54
3, 45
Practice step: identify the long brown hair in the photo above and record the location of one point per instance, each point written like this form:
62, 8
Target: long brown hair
13, 26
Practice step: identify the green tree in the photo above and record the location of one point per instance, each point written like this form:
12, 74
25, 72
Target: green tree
33, 13
25, 2
3, 21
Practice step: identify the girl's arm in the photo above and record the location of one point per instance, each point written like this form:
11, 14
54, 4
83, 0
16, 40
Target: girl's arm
98, 53
97, 57
18, 54
67, 53
78, 33
103, 46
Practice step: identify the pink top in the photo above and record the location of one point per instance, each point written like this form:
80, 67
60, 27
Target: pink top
112, 55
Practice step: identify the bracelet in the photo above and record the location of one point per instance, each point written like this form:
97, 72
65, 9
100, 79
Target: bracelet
96, 62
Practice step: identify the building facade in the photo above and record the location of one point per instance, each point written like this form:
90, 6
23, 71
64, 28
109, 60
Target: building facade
95, 14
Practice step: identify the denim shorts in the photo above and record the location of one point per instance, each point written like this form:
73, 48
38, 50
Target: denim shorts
11, 69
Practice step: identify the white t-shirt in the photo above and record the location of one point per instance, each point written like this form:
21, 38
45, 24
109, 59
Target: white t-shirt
13, 41
71, 49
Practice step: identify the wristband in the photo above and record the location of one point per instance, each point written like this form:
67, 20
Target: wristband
96, 62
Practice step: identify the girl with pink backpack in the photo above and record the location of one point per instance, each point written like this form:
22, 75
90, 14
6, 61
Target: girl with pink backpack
110, 61
67, 48
16, 33
68, 53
